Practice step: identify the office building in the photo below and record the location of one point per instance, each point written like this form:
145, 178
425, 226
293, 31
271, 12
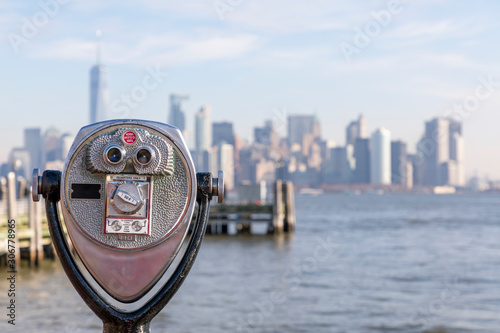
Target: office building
33, 144
176, 116
222, 133
356, 129
99, 95
409, 178
338, 168
380, 157
203, 137
399, 163
226, 164
299, 126
246, 171
457, 154
51, 140
266, 135
361, 174
203, 128
449, 173
418, 164
436, 150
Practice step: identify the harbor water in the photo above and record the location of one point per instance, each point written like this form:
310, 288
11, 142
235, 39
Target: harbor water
356, 263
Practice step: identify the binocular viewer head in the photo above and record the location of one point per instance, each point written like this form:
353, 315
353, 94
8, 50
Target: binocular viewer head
128, 192
128, 185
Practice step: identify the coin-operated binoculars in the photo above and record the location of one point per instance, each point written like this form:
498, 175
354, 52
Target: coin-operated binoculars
128, 191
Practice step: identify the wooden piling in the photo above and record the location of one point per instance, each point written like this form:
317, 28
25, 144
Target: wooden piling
36, 242
22, 188
3, 187
289, 197
278, 211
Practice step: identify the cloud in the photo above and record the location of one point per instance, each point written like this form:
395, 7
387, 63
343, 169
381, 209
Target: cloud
418, 29
426, 31
160, 50
293, 57
216, 48
276, 16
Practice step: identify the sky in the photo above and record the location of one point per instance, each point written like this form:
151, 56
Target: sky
399, 63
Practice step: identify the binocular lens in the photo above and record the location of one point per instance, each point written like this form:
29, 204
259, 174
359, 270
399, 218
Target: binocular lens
144, 156
114, 155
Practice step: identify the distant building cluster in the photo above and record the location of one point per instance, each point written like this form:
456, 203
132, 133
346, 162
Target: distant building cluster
46, 150
303, 156
378, 160
308, 160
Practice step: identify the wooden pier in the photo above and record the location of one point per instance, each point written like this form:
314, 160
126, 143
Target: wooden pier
24, 232
256, 219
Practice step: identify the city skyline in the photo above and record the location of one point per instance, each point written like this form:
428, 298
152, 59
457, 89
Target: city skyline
377, 160
302, 156
254, 65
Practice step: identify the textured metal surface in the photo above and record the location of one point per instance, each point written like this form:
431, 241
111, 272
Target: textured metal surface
170, 199
162, 150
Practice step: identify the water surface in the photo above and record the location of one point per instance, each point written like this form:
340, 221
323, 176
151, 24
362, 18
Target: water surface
368, 263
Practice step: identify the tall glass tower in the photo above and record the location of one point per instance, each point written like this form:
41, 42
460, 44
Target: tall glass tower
203, 125
380, 157
99, 96
176, 117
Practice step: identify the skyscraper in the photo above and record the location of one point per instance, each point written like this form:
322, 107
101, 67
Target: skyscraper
51, 144
361, 126
203, 128
380, 157
355, 129
203, 138
457, 154
399, 161
176, 116
99, 96
33, 144
266, 135
361, 174
222, 133
338, 169
436, 150
418, 164
299, 126
226, 164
